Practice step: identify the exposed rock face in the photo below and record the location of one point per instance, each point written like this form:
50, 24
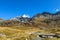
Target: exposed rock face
22, 19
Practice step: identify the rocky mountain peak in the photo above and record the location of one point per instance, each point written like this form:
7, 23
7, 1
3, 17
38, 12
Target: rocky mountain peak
24, 18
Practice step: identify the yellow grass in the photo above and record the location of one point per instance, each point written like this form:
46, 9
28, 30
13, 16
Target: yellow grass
8, 33
20, 33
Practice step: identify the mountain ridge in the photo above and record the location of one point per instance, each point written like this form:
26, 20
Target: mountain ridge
42, 20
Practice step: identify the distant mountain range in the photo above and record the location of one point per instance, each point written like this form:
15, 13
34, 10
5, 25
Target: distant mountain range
41, 20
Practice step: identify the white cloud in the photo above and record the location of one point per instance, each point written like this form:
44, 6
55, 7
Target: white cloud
57, 9
26, 16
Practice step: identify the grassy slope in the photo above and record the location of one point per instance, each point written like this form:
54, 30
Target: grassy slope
7, 33
19, 33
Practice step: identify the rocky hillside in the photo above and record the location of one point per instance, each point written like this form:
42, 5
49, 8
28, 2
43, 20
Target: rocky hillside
47, 19
41, 20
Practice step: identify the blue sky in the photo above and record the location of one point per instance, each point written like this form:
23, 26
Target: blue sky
13, 8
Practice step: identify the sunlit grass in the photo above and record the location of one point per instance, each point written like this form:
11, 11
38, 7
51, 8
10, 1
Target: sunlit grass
21, 33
